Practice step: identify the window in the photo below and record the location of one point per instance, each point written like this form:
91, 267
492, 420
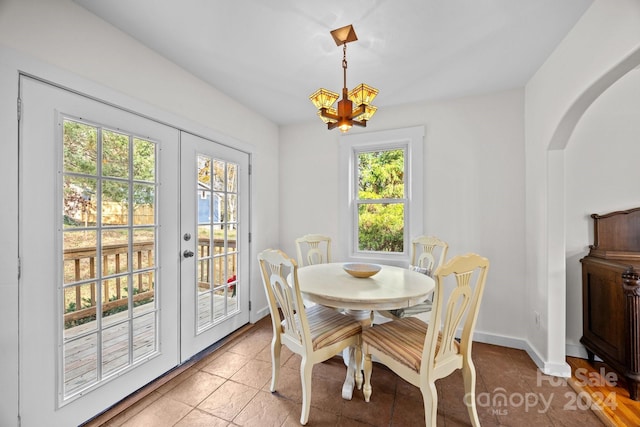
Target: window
380, 200
381, 193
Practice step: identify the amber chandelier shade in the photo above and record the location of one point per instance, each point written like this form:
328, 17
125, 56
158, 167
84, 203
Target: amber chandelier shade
355, 106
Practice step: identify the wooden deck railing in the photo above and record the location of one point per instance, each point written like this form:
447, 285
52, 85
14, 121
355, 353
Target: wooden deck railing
80, 263
204, 272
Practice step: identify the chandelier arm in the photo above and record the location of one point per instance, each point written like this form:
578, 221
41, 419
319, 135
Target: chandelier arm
361, 123
328, 115
359, 111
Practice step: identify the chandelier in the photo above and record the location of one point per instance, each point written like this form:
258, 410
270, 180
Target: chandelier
354, 108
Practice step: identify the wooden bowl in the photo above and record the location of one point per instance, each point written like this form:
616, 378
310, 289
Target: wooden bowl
361, 270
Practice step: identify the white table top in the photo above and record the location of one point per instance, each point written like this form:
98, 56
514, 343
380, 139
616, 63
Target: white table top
391, 288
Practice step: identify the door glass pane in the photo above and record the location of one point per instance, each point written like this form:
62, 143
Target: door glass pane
143, 203
80, 369
218, 175
144, 335
232, 178
144, 297
115, 154
143, 248
77, 266
144, 160
217, 206
79, 208
109, 244
115, 301
81, 148
231, 211
115, 348
115, 202
79, 310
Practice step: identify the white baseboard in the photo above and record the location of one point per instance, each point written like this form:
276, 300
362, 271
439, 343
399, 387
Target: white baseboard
555, 369
578, 350
500, 340
562, 370
259, 314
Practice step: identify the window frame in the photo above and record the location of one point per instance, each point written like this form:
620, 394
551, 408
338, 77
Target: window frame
411, 140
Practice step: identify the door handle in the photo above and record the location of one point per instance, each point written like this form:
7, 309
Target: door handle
187, 253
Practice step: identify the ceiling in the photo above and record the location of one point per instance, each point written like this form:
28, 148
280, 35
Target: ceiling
270, 55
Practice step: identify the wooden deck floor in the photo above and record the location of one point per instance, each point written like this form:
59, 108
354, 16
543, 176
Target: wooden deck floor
119, 351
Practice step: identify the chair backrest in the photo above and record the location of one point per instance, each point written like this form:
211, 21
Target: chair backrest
460, 308
428, 253
280, 279
313, 249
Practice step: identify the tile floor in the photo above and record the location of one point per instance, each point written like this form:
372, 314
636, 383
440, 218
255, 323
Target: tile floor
230, 387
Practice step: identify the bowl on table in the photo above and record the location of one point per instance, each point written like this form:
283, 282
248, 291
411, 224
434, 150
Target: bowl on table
360, 269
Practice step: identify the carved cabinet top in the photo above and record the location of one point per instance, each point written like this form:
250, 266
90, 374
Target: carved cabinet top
617, 235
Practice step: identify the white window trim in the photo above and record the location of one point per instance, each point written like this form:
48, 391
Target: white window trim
409, 138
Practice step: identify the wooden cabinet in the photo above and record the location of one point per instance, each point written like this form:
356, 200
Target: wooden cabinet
611, 295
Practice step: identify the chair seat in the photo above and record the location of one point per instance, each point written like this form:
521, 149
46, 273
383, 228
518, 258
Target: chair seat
402, 339
328, 326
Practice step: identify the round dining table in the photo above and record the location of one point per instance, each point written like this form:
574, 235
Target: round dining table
391, 288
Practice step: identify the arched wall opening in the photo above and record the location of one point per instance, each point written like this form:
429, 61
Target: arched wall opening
602, 47
560, 259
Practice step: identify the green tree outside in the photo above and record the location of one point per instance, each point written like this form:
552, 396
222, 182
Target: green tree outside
381, 223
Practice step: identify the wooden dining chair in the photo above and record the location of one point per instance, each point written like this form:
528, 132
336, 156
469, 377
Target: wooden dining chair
313, 249
422, 353
427, 254
316, 333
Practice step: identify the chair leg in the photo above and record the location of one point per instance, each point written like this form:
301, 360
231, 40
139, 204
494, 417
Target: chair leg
305, 377
368, 366
430, 398
276, 346
469, 378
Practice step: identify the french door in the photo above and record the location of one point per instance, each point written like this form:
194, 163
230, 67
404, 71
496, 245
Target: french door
109, 299
215, 240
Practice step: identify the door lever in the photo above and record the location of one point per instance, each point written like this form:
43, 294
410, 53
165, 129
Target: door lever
187, 253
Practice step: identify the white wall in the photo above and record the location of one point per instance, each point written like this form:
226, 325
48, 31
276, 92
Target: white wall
473, 190
602, 47
602, 176
59, 41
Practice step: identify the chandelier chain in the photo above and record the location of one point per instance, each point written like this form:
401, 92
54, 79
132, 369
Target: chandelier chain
344, 64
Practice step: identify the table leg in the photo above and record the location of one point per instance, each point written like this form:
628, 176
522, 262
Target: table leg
353, 358
347, 387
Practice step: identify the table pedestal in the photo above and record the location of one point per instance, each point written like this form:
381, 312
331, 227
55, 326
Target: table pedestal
354, 363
